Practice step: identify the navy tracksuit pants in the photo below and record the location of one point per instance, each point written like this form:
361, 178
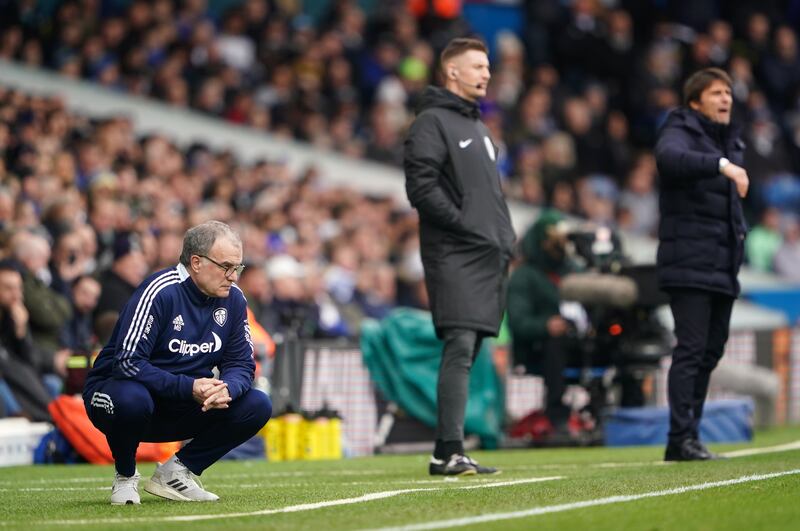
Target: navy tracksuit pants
126, 412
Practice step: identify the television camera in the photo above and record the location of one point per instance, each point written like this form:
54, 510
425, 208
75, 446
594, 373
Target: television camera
624, 340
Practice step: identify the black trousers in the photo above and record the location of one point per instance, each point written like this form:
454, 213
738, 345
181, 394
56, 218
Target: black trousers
702, 320
557, 351
26, 385
461, 347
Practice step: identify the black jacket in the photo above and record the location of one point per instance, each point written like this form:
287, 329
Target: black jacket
702, 228
466, 237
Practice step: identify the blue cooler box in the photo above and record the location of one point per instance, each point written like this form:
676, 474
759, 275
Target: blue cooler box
724, 421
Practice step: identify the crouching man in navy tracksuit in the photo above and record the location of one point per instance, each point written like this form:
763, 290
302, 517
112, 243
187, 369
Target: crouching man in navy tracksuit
153, 381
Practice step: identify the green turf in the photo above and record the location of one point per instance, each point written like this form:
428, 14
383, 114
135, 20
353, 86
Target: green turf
76, 497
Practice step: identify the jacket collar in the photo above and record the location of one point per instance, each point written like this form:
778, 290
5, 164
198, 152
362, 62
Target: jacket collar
195, 295
441, 97
697, 122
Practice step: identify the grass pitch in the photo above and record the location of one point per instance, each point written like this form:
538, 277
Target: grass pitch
592, 488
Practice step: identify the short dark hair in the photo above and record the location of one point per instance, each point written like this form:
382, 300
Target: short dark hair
700, 80
460, 45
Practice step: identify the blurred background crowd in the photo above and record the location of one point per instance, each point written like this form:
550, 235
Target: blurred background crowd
88, 209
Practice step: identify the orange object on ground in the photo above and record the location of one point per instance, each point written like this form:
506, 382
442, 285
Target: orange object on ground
71, 419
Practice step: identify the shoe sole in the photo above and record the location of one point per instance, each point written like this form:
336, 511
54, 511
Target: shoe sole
463, 473
127, 502
165, 492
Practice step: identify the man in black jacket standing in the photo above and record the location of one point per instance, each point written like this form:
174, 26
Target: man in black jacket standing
466, 237
701, 240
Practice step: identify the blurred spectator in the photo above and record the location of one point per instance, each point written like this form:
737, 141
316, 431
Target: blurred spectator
78, 334
297, 314
20, 360
780, 71
764, 240
68, 262
639, 200
127, 271
48, 310
787, 257
256, 287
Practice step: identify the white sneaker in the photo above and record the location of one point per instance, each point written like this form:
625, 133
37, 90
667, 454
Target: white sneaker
125, 490
174, 481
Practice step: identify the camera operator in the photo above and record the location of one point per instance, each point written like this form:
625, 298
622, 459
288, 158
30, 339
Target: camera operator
543, 340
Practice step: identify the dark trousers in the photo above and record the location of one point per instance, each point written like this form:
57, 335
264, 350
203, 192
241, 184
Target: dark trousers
461, 346
557, 350
702, 319
26, 385
126, 412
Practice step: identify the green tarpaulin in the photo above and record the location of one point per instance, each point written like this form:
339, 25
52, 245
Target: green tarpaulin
403, 355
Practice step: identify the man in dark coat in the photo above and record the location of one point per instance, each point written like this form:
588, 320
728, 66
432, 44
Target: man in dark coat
466, 237
701, 233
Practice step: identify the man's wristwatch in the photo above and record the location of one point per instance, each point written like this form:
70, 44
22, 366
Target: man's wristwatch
722, 163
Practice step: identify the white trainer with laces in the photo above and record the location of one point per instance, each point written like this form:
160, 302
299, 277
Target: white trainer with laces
125, 490
174, 481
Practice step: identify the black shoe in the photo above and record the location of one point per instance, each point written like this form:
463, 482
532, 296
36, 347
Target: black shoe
489, 470
702, 448
458, 465
686, 450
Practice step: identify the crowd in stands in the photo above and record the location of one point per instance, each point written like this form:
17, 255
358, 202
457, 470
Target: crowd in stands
88, 209
574, 106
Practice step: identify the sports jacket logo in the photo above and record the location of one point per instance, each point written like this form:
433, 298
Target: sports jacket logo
464, 143
180, 346
220, 316
103, 401
177, 323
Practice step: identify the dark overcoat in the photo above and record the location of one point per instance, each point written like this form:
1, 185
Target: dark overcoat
466, 237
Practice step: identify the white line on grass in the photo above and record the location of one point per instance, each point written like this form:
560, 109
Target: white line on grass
293, 508
536, 511
99, 479
268, 485
769, 449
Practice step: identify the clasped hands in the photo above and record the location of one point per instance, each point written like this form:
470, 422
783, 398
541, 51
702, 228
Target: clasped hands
211, 393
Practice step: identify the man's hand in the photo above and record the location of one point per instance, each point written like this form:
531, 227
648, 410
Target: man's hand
204, 388
738, 175
60, 361
556, 326
218, 400
19, 314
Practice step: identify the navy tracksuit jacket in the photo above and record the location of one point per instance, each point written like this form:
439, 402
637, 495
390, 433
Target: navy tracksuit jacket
140, 388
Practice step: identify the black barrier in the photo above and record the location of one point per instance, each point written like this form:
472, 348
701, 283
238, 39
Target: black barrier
287, 370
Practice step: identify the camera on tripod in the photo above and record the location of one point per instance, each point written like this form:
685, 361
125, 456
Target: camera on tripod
624, 339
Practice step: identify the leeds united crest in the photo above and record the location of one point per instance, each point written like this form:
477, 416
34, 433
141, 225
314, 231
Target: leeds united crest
220, 316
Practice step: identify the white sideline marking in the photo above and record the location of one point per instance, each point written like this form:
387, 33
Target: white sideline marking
536, 511
769, 449
98, 479
294, 508
218, 485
